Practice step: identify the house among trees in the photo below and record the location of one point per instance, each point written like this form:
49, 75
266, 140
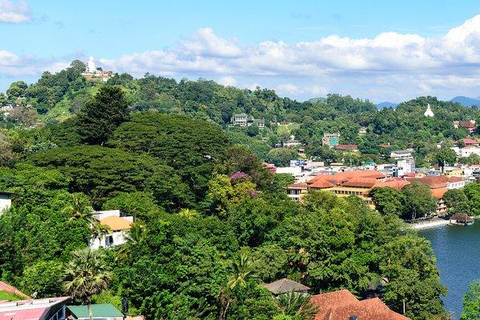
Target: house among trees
469, 125
284, 286
343, 304
5, 201
117, 224
243, 120
330, 139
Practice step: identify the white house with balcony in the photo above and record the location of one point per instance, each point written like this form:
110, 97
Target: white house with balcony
118, 224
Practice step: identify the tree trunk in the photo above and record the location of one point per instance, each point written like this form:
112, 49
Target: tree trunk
90, 313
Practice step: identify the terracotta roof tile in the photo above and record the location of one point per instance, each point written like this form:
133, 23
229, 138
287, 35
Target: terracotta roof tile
438, 193
342, 304
361, 182
116, 223
397, 184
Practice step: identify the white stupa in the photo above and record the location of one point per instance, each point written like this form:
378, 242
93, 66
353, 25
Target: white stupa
91, 66
429, 112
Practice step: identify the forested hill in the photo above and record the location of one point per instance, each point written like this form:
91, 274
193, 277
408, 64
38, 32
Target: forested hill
211, 223
57, 97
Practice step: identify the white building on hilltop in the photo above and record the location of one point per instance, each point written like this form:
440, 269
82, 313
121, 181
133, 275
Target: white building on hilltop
429, 112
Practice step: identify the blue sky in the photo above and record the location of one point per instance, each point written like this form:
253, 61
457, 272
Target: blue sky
380, 50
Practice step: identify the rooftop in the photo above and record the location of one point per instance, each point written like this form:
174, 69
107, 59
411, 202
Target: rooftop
116, 223
285, 285
342, 304
99, 311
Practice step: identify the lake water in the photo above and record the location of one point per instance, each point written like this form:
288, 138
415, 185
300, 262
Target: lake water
457, 249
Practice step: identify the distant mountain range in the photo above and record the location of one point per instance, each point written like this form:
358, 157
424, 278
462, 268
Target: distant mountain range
467, 101
386, 104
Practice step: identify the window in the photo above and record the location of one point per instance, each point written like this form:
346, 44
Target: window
108, 241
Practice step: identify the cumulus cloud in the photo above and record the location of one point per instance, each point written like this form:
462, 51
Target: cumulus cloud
390, 65
14, 12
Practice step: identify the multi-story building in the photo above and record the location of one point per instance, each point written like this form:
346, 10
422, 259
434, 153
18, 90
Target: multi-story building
239, 119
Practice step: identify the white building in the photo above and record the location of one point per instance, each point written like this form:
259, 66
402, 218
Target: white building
467, 151
402, 154
5, 201
405, 166
239, 119
119, 225
429, 112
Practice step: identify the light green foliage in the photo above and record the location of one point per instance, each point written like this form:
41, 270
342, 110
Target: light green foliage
86, 274
43, 277
409, 265
456, 201
471, 302
472, 191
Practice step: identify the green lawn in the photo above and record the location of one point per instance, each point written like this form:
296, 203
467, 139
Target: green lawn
9, 296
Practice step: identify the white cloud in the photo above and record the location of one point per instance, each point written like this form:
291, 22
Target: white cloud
228, 81
14, 12
388, 66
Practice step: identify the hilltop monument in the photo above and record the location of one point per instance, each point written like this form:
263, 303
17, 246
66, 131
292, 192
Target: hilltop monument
429, 112
91, 66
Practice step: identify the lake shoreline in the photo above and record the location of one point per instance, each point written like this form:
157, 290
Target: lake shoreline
434, 223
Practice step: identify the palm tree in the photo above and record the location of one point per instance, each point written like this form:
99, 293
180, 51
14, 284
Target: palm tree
134, 236
80, 208
86, 275
242, 270
99, 230
296, 305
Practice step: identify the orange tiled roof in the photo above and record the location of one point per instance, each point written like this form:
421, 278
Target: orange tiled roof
116, 223
439, 192
342, 304
342, 177
321, 184
397, 184
361, 182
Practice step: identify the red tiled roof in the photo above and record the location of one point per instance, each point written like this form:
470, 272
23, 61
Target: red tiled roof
469, 141
433, 182
342, 177
297, 186
467, 124
455, 179
348, 147
343, 304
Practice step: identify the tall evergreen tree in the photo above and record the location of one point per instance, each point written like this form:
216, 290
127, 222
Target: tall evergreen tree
102, 115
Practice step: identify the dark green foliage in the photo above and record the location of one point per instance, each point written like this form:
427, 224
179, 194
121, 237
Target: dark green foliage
102, 115
102, 173
456, 201
388, 201
419, 202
